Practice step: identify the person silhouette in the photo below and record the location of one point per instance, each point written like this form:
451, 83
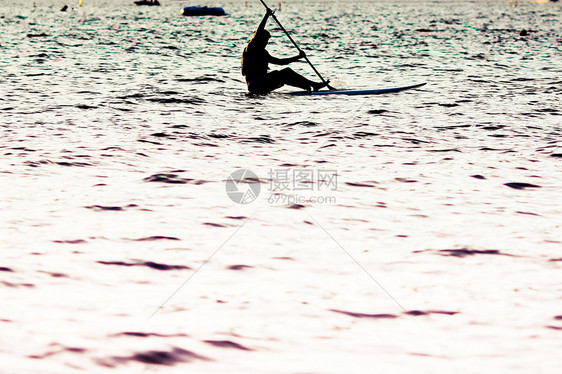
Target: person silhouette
255, 65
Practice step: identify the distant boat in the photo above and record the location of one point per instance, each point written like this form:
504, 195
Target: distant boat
202, 11
148, 2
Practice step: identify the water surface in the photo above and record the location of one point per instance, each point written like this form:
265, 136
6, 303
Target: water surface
440, 250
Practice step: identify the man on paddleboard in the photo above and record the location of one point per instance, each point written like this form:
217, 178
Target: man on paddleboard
255, 60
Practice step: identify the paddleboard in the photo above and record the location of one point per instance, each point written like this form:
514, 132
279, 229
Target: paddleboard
357, 92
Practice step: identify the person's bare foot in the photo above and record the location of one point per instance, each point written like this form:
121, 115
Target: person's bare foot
319, 85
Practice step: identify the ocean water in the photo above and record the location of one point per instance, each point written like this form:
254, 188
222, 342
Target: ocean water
425, 237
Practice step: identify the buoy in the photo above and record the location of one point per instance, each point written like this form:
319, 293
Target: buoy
523, 33
202, 11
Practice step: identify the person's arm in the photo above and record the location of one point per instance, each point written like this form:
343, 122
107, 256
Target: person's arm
286, 61
261, 27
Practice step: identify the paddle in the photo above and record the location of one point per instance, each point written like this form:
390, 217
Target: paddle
296, 45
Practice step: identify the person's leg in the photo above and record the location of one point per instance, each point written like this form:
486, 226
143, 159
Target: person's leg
288, 76
293, 79
279, 78
265, 84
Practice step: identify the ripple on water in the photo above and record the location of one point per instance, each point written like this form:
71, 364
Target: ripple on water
150, 264
227, 344
165, 358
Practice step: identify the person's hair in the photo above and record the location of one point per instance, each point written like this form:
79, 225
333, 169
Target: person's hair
263, 36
